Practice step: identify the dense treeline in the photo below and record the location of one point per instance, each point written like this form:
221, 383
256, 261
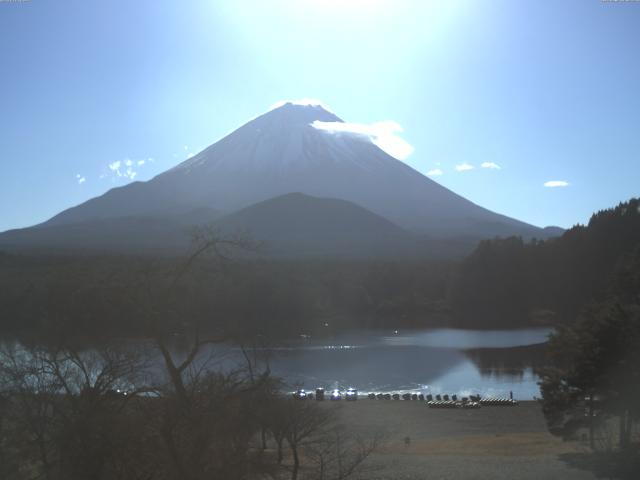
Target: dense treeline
106, 295
593, 382
507, 282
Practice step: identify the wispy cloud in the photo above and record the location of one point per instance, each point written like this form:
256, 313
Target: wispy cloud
491, 165
80, 178
435, 172
463, 167
382, 134
556, 183
126, 168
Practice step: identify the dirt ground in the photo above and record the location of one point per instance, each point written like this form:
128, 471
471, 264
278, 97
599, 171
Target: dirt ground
491, 442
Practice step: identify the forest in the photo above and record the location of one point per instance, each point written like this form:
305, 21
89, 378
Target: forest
108, 295
504, 283
511, 283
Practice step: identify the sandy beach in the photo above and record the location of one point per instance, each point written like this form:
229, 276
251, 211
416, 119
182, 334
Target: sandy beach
487, 443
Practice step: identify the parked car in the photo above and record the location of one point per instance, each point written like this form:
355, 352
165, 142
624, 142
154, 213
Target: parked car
336, 395
300, 394
351, 395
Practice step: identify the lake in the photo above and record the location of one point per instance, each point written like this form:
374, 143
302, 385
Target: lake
451, 361
490, 363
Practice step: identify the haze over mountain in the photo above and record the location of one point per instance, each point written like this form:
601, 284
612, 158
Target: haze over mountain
288, 226
275, 154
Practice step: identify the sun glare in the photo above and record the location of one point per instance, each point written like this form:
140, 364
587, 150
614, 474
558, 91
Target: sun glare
347, 4
352, 11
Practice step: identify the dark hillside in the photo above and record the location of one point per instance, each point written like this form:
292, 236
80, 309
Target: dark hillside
509, 282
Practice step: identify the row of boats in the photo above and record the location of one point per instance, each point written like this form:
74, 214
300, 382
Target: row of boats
467, 403
433, 401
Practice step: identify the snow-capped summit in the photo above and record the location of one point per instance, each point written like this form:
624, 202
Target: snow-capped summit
277, 137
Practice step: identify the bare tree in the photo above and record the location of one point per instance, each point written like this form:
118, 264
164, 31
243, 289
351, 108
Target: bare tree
339, 454
302, 422
66, 407
203, 416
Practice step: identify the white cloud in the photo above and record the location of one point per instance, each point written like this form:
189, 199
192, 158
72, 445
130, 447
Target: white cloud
382, 134
492, 165
463, 167
556, 183
435, 172
126, 168
80, 179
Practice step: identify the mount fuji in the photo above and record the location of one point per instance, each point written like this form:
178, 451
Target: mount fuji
274, 155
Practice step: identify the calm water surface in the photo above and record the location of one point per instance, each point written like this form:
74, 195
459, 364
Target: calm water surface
490, 363
427, 361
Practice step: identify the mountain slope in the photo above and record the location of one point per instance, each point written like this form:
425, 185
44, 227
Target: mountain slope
298, 224
281, 152
290, 225
130, 234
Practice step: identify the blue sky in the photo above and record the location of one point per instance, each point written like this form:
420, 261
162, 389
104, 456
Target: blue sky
546, 91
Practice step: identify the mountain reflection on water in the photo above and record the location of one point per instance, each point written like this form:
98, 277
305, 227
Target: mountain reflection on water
428, 361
